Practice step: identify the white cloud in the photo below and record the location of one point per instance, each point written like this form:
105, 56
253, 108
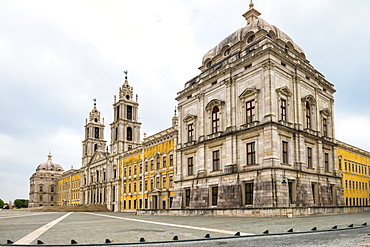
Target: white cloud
353, 129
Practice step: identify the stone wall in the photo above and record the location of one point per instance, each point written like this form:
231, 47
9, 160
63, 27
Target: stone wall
257, 212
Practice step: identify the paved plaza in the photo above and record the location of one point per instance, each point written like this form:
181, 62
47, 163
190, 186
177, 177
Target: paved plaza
59, 228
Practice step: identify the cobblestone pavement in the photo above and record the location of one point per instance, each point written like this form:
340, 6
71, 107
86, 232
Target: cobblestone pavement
26, 228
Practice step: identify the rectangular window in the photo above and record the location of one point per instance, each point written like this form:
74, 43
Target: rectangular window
171, 181
171, 160
283, 110
164, 162
326, 159
340, 164
158, 162
249, 187
309, 157
251, 154
190, 132
190, 166
187, 197
164, 185
158, 183
214, 195
146, 166
250, 111
324, 127
216, 160
285, 152
129, 112
151, 165
315, 193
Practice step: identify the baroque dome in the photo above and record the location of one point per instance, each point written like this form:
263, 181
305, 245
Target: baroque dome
253, 26
49, 165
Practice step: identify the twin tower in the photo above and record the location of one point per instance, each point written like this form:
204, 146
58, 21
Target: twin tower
125, 129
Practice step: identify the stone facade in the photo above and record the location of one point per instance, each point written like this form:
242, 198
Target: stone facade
43, 184
256, 126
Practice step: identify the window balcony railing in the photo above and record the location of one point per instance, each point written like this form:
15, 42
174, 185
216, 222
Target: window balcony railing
214, 135
285, 123
311, 131
250, 125
190, 143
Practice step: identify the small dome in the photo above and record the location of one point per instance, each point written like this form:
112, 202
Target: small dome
49, 165
253, 27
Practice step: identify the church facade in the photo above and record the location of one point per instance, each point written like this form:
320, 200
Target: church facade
256, 126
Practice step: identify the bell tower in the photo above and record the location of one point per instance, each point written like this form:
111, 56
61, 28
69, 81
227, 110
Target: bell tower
125, 129
94, 135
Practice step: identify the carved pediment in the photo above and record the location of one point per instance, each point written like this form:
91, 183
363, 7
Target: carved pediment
284, 91
97, 156
213, 103
248, 92
189, 118
326, 112
310, 99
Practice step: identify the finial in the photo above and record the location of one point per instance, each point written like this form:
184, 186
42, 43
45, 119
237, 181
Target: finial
137, 98
251, 4
49, 156
175, 111
126, 72
94, 101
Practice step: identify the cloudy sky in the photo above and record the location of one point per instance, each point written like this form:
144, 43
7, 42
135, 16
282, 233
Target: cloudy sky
56, 56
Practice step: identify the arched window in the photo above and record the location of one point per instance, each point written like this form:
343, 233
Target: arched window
308, 115
116, 137
129, 134
97, 134
215, 119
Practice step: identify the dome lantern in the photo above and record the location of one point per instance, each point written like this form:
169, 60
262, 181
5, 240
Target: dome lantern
252, 14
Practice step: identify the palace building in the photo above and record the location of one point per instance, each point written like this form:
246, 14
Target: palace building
256, 126
68, 188
44, 184
354, 168
255, 129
